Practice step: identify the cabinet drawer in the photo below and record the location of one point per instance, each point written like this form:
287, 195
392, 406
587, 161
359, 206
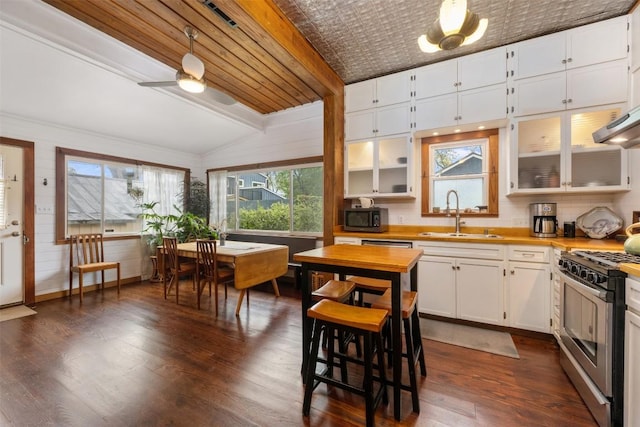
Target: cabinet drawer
529, 254
461, 250
633, 293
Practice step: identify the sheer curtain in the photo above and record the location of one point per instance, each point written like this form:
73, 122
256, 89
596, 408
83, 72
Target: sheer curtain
218, 198
162, 186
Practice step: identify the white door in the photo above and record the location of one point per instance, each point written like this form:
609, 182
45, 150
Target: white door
11, 219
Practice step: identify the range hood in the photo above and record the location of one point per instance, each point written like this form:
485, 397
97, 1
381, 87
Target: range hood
624, 131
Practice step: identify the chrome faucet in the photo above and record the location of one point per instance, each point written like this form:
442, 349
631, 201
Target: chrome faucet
457, 209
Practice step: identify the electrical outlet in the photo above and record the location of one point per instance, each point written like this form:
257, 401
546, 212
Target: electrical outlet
400, 219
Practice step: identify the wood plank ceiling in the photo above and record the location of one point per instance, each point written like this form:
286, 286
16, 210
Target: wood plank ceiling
263, 62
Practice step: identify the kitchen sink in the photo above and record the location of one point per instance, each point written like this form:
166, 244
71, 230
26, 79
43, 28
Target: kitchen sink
461, 235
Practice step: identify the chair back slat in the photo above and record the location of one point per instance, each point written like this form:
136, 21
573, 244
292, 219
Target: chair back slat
170, 245
206, 255
86, 249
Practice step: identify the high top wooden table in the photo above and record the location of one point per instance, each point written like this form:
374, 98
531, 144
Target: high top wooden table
254, 263
381, 262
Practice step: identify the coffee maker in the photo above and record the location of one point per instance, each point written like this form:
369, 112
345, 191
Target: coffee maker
543, 220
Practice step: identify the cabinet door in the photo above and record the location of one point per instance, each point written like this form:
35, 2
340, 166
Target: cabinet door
393, 119
437, 286
394, 166
540, 94
480, 291
360, 125
597, 84
359, 178
595, 43
529, 296
486, 103
631, 369
437, 79
359, 96
393, 89
436, 112
482, 69
542, 55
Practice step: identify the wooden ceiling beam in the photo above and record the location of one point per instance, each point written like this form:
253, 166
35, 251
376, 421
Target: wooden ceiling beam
233, 41
265, 23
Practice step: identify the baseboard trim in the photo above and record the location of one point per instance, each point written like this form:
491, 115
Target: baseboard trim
89, 288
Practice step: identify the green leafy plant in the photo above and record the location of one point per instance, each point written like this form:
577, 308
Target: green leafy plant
156, 225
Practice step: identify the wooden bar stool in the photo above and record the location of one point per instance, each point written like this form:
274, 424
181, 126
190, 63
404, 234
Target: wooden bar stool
369, 285
367, 322
413, 338
335, 290
339, 291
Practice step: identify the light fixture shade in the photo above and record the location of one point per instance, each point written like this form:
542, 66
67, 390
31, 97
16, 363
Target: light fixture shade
452, 15
190, 83
456, 26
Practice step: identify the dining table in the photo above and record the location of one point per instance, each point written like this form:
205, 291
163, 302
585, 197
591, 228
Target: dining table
253, 263
381, 262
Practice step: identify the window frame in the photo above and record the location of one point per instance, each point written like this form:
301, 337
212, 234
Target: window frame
270, 166
61, 186
493, 162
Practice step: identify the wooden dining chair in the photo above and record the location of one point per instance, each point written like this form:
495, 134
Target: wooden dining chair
210, 271
174, 267
86, 255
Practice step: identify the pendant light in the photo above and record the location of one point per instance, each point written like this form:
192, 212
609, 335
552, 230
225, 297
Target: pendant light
455, 26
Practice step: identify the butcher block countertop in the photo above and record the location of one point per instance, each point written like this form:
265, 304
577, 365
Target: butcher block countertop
517, 236
631, 269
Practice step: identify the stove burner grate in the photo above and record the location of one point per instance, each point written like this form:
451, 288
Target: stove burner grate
611, 259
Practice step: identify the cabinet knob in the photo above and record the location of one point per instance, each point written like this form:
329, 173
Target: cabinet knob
569, 100
564, 61
570, 59
513, 272
457, 267
564, 101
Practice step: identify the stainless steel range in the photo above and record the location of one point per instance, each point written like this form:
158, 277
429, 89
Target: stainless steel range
592, 329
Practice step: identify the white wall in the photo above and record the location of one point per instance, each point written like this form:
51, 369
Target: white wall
52, 260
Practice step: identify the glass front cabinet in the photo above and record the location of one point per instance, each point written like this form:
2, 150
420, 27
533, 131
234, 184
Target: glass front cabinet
379, 167
556, 153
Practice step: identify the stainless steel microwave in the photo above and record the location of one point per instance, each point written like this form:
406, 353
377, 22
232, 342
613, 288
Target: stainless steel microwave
368, 220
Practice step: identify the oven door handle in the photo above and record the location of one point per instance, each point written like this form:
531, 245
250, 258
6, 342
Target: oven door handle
600, 294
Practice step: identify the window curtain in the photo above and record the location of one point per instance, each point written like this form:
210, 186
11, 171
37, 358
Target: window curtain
218, 198
162, 186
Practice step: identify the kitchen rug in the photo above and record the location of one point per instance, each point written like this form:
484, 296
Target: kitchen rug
15, 312
470, 337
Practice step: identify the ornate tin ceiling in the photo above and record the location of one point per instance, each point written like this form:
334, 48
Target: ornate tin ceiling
362, 39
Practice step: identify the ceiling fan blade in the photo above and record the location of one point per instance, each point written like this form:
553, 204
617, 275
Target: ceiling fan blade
192, 65
158, 84
220, 97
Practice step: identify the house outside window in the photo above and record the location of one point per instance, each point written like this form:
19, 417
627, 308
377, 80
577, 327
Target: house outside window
104, 194
282, 200
466, 163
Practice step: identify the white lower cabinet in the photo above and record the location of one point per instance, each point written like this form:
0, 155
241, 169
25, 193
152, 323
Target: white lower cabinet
462, 281
632, 353
529, 288
632, 370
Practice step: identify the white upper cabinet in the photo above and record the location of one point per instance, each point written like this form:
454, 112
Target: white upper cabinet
380, 92
587, 45
600, 84
466, 90
469, 72
389, 120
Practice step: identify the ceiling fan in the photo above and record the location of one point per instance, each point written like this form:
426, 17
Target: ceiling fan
190, 76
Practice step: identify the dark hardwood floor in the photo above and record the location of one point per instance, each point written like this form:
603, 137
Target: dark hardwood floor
136, 359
